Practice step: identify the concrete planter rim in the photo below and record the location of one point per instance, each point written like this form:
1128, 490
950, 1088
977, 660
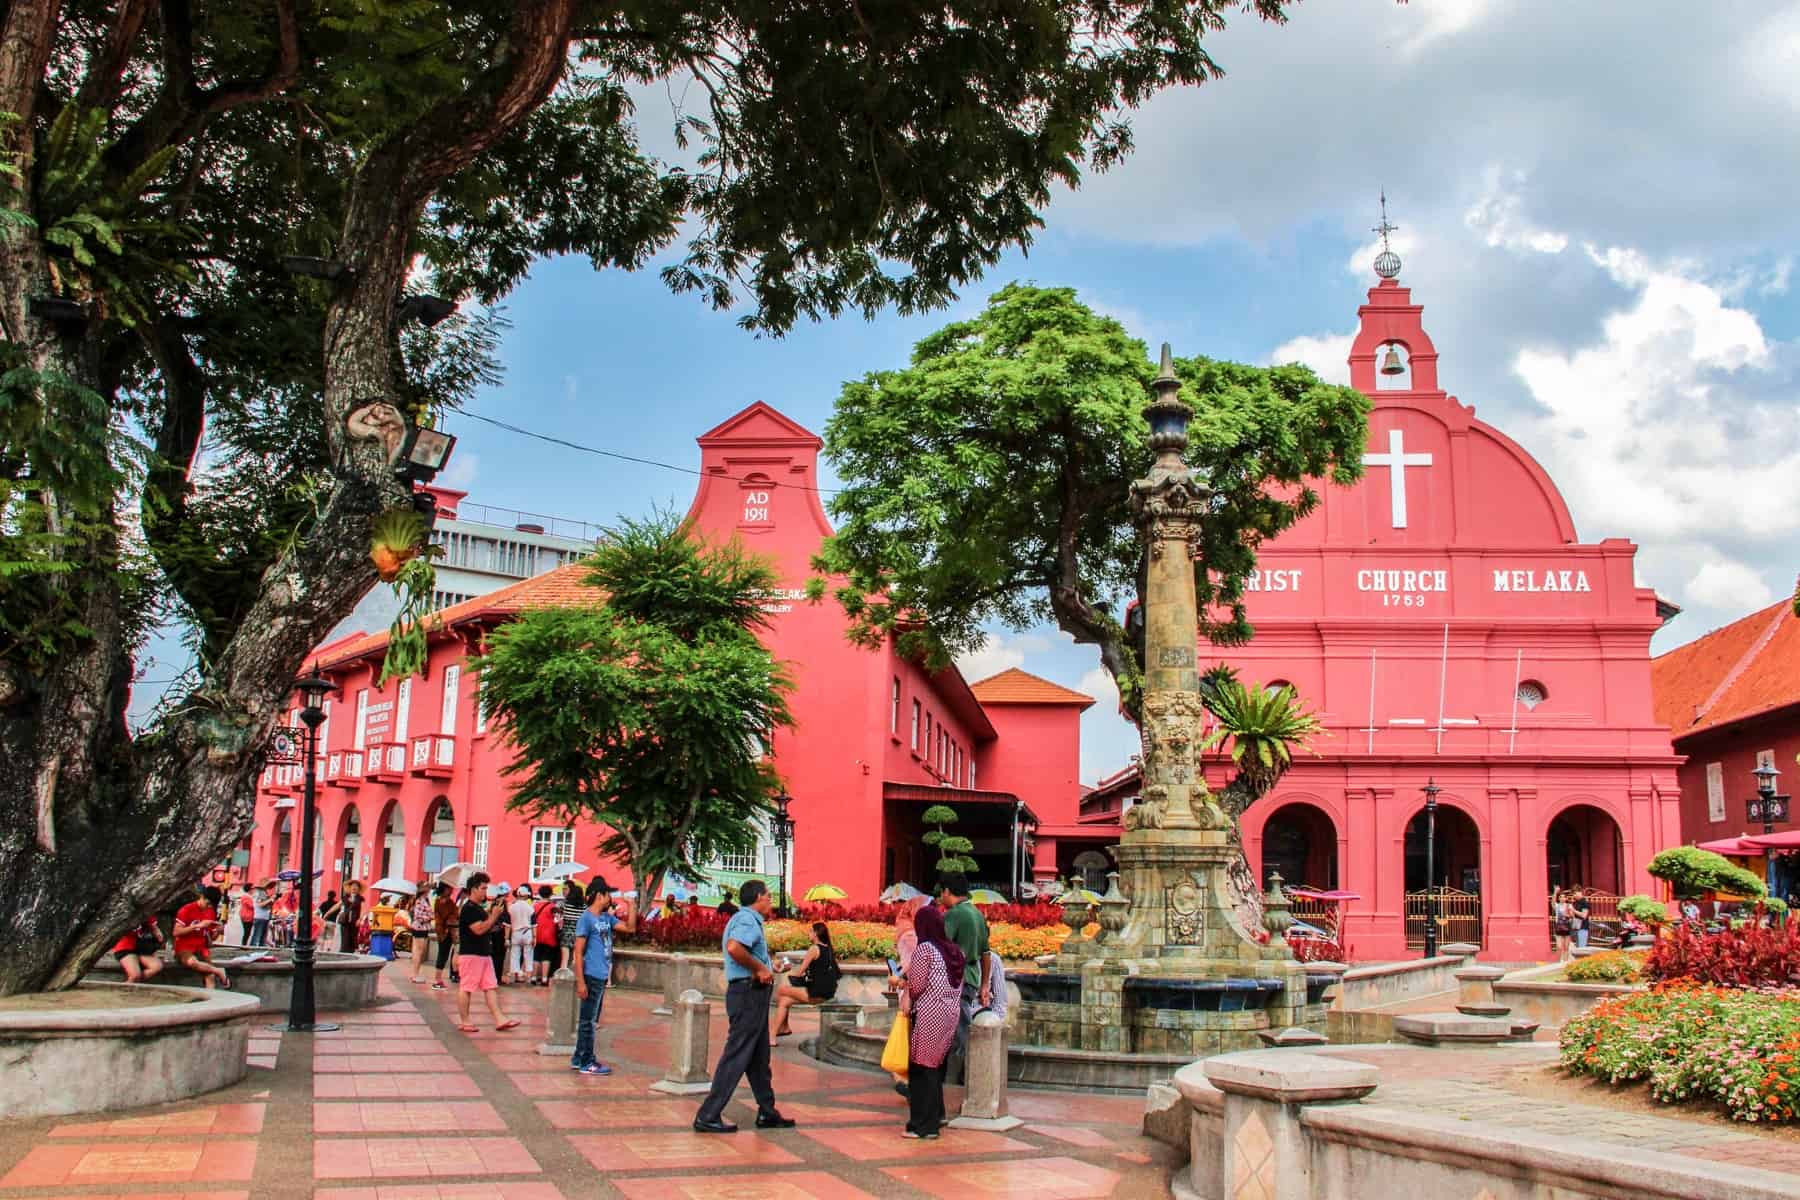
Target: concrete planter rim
190, 1006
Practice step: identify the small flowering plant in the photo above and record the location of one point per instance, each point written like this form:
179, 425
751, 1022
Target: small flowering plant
1737, 1047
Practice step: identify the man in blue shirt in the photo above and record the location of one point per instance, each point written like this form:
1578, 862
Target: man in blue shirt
594, 951
749, 973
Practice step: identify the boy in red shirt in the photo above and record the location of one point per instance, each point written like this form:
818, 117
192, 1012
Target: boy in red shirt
136, 951
195, 923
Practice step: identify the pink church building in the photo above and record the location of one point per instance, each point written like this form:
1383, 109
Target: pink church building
1450, 627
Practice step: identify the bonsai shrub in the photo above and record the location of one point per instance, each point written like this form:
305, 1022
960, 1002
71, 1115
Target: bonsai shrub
1691, 872
1613, 966
1651, 912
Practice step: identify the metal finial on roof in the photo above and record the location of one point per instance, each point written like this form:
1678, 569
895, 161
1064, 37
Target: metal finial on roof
1387, 263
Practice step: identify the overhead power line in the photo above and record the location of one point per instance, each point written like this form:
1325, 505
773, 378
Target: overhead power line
631, 458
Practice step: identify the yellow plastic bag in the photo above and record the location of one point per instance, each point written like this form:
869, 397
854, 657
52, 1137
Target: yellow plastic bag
897, 1053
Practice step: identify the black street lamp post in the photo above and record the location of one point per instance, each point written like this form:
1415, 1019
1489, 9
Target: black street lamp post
1431, 896
300, 1001
784, 833
1768, 807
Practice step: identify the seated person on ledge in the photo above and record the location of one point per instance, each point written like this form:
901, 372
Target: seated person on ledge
816, 982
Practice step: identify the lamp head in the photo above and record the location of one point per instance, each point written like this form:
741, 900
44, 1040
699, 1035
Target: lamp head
781, 806
313, 689
1766, 775
424, 454
1431, 790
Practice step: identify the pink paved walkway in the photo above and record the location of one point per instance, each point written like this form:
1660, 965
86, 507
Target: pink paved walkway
400, 1106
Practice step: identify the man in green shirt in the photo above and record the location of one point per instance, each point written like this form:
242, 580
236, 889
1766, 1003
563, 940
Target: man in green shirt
968, 929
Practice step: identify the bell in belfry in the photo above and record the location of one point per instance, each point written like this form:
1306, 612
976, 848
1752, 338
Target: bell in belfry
1391, 364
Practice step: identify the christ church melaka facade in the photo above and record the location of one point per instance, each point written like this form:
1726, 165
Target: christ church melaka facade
1449, 627
411, 773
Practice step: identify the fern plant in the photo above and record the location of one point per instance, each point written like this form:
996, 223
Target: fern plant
1264, 725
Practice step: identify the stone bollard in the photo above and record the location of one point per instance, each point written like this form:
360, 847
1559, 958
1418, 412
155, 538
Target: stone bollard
1466, 950
687, 1074
1263, 1146
565, 1007
984, 1087
1475, 992
675, 982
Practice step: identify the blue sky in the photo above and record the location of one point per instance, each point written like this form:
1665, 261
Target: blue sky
1601, 235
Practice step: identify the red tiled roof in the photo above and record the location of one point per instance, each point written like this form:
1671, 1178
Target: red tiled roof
1749, 667
1013, 686
549, 590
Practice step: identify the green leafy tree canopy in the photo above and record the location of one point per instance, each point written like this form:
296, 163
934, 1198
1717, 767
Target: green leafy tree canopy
986, 482
649, 709
953, 849
1691, 871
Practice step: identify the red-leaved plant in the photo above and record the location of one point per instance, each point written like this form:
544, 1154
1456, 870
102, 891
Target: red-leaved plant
1749, 957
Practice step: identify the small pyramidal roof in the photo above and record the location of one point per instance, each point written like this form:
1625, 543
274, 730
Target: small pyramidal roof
1013, 686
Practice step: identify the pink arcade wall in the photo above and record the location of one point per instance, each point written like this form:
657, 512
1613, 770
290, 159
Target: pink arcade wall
1448, 625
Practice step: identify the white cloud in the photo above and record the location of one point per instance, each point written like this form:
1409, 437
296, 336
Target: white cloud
462, 471
1727, 585
1498, 218
1328, 354
994, 656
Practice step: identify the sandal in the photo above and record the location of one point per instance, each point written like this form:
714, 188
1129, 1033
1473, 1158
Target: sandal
503, 1026
468, 1029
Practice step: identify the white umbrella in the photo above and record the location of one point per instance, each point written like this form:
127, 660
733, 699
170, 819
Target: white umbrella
560, 871
405, 887
457, 874
900, 893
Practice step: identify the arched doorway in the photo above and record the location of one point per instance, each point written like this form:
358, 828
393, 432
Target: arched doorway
1093, 867
393, 843
1585, 849
439, 837
350, 838
1300, 842
1455, 867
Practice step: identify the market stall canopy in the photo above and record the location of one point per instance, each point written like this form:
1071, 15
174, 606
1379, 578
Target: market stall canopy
1790, 840
1740, 847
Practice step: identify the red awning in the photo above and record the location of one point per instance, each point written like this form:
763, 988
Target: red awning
1775, 841
1741, 847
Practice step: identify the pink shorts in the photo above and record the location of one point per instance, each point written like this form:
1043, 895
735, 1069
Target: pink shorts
476, 972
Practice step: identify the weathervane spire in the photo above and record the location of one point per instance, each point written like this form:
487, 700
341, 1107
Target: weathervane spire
1387, 263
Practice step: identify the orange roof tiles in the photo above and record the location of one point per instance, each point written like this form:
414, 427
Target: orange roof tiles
1013, 686
549, 590
1749, 667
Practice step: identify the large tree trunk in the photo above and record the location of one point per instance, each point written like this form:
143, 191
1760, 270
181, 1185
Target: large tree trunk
96, 826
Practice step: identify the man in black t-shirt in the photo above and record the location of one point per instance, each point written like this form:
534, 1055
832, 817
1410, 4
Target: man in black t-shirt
474, 954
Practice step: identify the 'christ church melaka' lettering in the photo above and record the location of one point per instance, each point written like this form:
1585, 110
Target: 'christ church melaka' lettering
1541, 581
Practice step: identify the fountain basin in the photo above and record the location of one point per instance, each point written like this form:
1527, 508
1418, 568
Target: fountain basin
1047, 987
1200, 995
340, 981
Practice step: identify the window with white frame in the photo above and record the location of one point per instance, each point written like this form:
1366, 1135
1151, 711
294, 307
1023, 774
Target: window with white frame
927, 737
746, 860
971, 783
362, 719
403, 710
478, 845
481, 713
894, 709
550, 846
915, 727
452, 681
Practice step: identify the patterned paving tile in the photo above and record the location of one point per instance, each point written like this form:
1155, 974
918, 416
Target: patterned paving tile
566, 1083
441, 1086
620, 1113
497, 1190
1077, 1135
1042, 1179
133, 1162
368, 1158
641, 1151
150, 1196
214, 1119
876, 1143
529, 1060
423, 1044
775, 1185
438, 1116
744, 1110
398, 1064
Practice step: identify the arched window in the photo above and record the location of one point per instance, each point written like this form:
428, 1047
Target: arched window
1532, 693
1275, 684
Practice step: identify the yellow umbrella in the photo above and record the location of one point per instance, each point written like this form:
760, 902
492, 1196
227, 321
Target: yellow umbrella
824, 891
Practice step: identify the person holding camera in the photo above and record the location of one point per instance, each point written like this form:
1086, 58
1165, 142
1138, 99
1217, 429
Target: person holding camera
593, 953
475, 955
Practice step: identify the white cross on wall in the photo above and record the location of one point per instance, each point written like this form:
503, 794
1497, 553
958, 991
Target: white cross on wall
1398, 460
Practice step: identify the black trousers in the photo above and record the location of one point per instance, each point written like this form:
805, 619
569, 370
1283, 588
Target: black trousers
924, 1098
746, 1052
445, 946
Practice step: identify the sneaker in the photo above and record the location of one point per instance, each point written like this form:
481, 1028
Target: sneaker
596, 1069
910, 1136
574, 1067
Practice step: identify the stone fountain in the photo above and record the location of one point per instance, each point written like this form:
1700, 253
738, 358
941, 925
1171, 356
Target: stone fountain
1190, 957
